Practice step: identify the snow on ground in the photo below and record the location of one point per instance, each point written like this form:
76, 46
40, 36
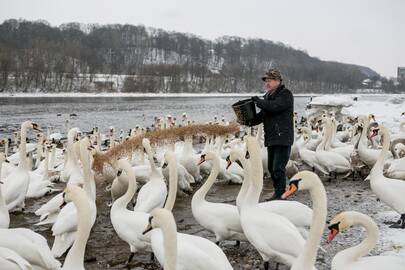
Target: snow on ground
387, 112
333, 100
392, 240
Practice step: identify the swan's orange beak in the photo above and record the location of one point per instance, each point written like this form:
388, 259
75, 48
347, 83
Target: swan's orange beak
332, 234
291, 190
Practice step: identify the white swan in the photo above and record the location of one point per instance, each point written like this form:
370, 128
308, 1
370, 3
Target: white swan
306, 180
6, 168
30, 246
153, 193
189, 159
353, 258
129, 225
178, 251
219, 218
65, 227
50, 210
307, 156
335, 145
388, 190
330, 161
39, 181
16, 184
283, 242
119, 185
299, 214
71, 168
4, 215
368, 155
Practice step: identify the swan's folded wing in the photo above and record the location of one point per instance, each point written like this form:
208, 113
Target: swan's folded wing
8, 257
199, 253
51, 206
62, 243
67, 220
396, 191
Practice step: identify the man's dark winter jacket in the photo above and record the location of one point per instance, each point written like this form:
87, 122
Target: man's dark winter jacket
276, 114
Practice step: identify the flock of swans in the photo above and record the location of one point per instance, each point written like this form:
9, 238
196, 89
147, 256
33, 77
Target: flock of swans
283, 231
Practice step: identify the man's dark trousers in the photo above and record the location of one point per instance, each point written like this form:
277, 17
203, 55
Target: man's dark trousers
278, 156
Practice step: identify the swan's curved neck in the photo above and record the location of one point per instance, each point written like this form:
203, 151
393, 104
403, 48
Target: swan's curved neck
325, 139
171, 198
88, 184
200, 194
46, 165
53, 155
362, 249
219, 144
246, 180
75, 257
379, 165
71, 153
169, 231
188, 145
256, 178
129, 194
363, 136
333, 129
23, 148
40, 150
307, 258
259, 134
151, 161
329, 129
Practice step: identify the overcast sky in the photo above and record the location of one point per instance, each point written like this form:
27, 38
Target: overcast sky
364, 32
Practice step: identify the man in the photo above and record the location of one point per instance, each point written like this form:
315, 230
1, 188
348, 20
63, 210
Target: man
277, 108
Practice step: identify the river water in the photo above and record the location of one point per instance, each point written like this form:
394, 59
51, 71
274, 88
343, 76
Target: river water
120, 112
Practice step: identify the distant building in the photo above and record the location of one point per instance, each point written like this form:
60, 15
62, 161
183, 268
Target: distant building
367, 82
401, 73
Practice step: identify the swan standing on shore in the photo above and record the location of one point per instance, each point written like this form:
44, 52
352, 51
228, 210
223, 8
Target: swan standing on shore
16, 184
128, 224
388, 190
273, 236
219, 218
153, 193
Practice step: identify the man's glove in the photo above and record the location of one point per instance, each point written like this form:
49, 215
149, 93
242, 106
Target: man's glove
255, 99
